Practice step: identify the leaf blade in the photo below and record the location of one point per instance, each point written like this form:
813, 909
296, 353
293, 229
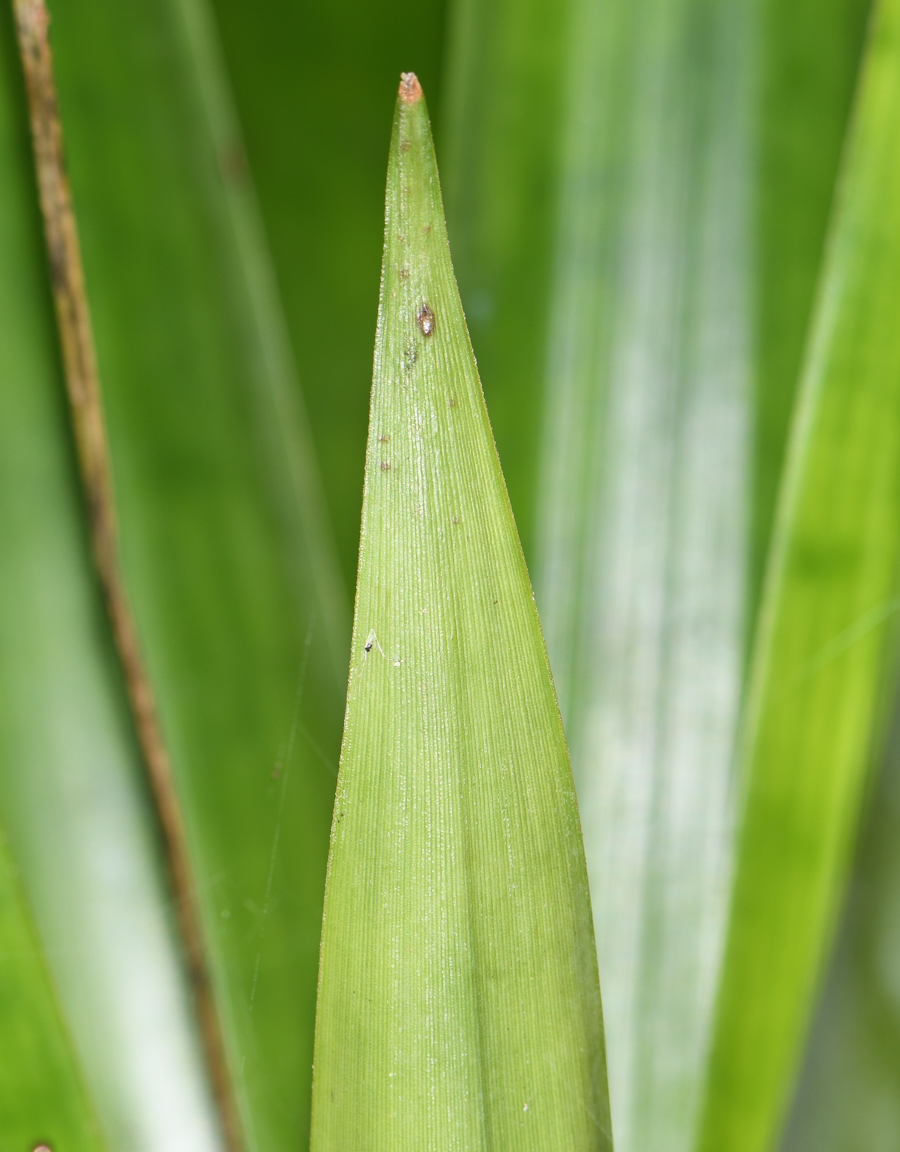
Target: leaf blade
814, 698
455, 822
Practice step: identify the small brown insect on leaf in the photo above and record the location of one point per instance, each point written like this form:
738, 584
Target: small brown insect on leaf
385, 465
384, 438
426, 320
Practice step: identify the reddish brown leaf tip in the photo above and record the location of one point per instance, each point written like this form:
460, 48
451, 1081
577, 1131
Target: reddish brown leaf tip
410, 88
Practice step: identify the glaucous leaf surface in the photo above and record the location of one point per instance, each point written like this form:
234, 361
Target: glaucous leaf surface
227, 564
458, 1005
71, 794
644, 491
690, 233
314, 85
829, 602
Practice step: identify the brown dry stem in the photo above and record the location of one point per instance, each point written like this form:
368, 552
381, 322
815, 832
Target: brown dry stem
85, 401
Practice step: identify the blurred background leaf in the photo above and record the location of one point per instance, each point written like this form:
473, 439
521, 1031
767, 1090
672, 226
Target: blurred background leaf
808, 58
235, 588
687, 216
641, 554
221, 549
501, 149
71, 793
817, 687
314, 85
848, 1098
43, 1094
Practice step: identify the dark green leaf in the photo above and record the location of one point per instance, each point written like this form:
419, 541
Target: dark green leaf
314, 86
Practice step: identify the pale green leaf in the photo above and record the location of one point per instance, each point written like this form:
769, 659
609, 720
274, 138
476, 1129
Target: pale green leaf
458, 1003
830, 600
691, 198
643, 503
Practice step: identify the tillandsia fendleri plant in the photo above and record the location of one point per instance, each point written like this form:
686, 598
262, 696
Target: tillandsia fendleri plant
679, 252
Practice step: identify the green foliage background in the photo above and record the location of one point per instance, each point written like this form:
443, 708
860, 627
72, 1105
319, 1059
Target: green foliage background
641, 175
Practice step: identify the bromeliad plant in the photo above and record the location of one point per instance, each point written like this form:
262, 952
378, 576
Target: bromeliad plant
638, 196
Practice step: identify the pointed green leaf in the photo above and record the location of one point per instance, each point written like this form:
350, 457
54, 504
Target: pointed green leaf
830, 600
458, 1004
807, 57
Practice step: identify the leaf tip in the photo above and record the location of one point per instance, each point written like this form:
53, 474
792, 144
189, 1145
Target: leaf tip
410, 88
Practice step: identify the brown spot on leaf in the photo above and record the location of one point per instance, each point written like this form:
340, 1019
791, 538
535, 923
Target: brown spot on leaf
385, 465
383, 438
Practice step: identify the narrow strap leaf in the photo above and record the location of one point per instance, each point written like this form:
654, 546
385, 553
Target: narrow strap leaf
459, 1005
831, 600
